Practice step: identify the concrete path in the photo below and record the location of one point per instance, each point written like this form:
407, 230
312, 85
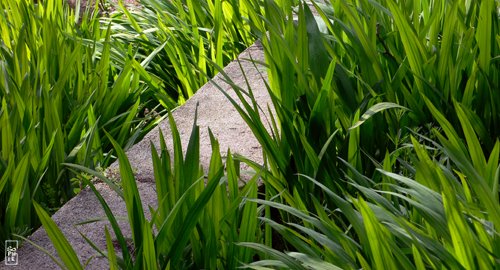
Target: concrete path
214, 111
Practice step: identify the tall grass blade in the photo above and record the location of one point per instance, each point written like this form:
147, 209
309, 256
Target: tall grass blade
62, 246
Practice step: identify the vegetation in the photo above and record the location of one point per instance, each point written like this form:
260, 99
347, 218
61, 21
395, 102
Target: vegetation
199, 220
187, 37
386, 155
59, 92
66, 79
383, 153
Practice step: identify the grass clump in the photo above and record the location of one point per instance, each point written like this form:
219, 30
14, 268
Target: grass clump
383, 153
199, 219
58, 94
187, 37
69, 75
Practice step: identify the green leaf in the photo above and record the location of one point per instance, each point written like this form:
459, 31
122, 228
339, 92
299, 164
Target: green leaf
16, 206
130, 194
193, 215
413, 47
113, 264
268, 251
375, 109
61, 244
148, 248
379, 238
249, 222
99, 175
476, 152
126, 256
483, 33
313, 263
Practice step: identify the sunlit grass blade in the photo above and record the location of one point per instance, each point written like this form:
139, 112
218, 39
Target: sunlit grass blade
126, 256
476, 152
193, 214
113, 263
289, 261
375, 109
62, 246
413, 46
131, 195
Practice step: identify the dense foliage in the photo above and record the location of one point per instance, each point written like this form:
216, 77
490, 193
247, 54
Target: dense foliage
68, 77
387, 149
59, 92
384, 151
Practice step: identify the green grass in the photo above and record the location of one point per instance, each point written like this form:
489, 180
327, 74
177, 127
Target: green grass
383, 151
199, 219
57, 99
185, 36
67, 77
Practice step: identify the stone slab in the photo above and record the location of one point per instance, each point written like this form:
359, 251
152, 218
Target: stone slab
214, 112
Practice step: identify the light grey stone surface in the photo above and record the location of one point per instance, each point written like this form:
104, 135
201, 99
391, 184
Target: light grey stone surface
82, 208
214, 111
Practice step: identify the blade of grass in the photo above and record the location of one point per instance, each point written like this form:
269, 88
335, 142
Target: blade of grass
61, 244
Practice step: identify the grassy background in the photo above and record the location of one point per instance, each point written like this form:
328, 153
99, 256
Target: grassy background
384, 152
59, 92
67, 77
386, 155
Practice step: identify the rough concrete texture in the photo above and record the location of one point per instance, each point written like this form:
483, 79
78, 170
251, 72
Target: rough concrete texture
80, 209
214, 111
